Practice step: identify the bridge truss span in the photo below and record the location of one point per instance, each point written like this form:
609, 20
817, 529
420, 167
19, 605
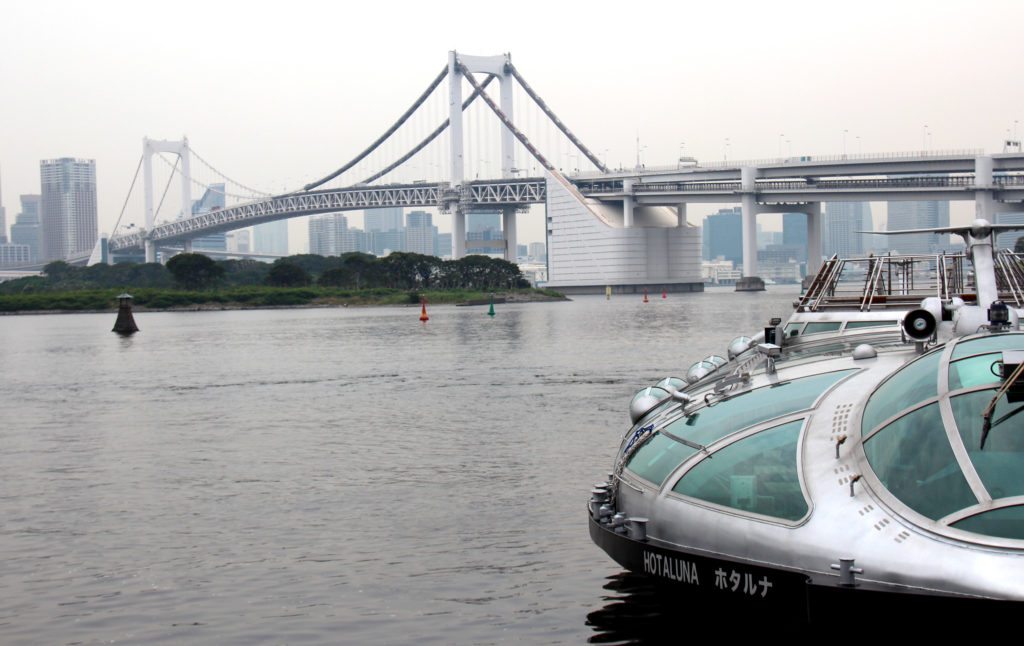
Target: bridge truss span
514, 193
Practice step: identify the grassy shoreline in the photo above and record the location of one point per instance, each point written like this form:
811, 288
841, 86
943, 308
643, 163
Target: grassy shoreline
155, 300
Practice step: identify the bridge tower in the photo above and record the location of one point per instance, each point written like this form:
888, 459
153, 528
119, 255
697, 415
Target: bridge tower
499, 67
149, 148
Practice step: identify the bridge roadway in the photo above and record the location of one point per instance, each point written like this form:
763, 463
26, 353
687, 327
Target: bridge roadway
775, 184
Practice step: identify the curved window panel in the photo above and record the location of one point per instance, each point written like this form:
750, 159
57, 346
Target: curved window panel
712, 423
1001, 464
913, 459
1007, 522
976, 371
658, 457
913, 383
854, 325
988, 343
792, 329
756, 474
815, 328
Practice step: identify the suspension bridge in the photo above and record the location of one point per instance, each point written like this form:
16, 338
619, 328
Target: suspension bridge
624, 227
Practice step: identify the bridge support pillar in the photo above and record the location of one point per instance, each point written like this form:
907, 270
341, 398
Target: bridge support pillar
458, 233
813, 237
750, 282
508, 225
627, 203
150, 248
984, 202
187, 246
749, 235
681, 215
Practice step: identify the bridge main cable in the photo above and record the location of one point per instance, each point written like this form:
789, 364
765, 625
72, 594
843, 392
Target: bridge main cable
390, 131
429, 138
558, 122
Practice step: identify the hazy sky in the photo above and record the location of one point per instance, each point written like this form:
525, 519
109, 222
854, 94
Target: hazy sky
277, 94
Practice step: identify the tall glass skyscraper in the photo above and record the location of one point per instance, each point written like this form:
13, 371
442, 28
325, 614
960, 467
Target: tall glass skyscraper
68, 214
843, 222
918, 215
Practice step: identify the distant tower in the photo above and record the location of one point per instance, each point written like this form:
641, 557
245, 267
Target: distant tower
843, 220
271, 237
212, 200
27, 229
3, 218
421, 234
723, 235
69, 220
918, 215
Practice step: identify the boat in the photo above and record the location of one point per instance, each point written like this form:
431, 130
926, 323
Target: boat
867, 453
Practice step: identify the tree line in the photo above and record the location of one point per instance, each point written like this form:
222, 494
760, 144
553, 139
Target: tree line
193, 271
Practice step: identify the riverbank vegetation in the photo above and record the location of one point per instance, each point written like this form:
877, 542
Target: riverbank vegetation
194, 281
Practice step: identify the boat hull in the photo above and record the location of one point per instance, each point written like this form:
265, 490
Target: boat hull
723, 587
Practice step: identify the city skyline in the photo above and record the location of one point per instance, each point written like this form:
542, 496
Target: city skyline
690, 106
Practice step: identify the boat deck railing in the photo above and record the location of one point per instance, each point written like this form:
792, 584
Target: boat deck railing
901, 282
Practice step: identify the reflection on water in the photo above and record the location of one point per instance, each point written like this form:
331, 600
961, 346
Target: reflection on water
326, 475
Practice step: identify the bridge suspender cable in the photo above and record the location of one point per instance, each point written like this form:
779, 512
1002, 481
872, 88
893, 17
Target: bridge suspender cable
186, 209
429, 138
126, 198
558, 122
405, 116
505, 120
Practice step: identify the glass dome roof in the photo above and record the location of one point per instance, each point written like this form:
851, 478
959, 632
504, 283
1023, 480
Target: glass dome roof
922, 431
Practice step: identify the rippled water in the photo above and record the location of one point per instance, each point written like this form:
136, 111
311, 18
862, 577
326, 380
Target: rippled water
329, 475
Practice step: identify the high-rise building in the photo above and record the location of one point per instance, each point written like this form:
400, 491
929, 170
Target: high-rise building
3, 219
537, 251
330, 235
420, 233
271, 237
485, 226
444, 245
240, 241
723, 235
12, 255
387, 219
794, 233
918, 215
68, 214
326, 233
212, 200
842, 222
27, 229
1008, 239
381, 243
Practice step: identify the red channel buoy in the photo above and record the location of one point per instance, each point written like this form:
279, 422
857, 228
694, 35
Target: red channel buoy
645, 296
423, 312
664, 294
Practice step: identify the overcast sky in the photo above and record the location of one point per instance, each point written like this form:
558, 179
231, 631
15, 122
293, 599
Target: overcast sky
277, 94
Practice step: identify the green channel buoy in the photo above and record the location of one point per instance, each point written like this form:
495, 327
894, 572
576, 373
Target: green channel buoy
490, 311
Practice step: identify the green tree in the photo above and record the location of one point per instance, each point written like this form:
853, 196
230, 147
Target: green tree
58, 270
283, 274
245, 272
194, 270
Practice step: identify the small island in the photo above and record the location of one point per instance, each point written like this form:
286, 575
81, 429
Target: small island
193, 281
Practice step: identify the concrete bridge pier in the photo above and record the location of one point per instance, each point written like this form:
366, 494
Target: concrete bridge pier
458, 233
813, 211
187, 246
508, 226
627, 204
681, 214
750, 282
150, 249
